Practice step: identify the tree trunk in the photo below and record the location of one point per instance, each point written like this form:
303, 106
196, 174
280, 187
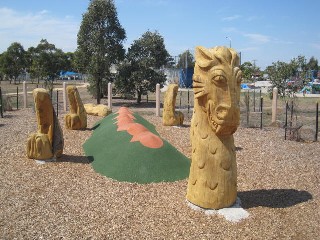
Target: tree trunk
98, 90
139, 93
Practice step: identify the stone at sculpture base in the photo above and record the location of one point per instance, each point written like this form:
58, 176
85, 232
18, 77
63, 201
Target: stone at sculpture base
213, 173
47, 142
234, 213
97, 109
77, 117
171, 117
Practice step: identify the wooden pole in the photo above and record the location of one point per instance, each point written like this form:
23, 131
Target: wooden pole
110, 95
17, 98
1, 105
188, 101
158, 100
247, 107
25, 95
274, 104
57, 103
286, 122
64, 96
261, 112
317, 122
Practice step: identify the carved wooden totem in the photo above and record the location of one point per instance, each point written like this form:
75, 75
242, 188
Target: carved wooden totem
47, 142
170, 117
213, 172
77, 117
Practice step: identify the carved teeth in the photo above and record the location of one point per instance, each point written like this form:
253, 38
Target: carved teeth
213, 123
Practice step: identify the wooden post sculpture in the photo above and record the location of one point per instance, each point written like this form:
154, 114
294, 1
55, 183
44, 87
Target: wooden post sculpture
170, 117
213, 173
77, 117
47, 142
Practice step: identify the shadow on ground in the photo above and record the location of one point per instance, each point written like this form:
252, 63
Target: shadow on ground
273, 198
75, 159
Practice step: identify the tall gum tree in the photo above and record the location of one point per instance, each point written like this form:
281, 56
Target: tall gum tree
100, 42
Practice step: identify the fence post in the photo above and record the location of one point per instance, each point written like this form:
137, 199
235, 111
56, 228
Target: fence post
64, 96
317, 121
17, 98
254, 99
261, 111
158, 100
260, 98
1, 106
188, 101
286, 122
274, 104
247, 99
57, 102
25, 94
110, 95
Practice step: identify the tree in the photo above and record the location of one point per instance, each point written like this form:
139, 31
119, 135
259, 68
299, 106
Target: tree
33, 64
186, 59
142, 69
279, 73
100, 40
14, 61
1, 67
313, 64
46, 62
312, 67
248, 71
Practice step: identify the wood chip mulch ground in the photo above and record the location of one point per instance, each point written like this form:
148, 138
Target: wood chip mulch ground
278, 184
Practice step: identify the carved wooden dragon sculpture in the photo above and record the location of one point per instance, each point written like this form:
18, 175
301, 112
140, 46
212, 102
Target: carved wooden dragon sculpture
216, 116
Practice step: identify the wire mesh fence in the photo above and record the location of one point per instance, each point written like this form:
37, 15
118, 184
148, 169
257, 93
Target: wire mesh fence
297, 116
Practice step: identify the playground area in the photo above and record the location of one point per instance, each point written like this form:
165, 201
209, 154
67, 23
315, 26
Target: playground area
278, 184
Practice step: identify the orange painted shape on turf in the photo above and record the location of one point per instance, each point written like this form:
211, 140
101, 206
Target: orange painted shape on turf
148, 139
125, 121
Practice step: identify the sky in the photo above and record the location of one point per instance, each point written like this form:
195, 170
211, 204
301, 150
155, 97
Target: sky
264, 31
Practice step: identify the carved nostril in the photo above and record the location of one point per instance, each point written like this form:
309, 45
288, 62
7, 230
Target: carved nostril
222, 111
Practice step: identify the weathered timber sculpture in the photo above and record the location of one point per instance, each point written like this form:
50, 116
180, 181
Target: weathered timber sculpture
97, 109
171, 117
77, 117
47, 142
213, 173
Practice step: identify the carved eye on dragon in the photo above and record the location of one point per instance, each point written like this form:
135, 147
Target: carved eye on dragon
216, 84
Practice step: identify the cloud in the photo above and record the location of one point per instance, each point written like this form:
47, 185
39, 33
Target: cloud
257, 38
231, 18
29, 28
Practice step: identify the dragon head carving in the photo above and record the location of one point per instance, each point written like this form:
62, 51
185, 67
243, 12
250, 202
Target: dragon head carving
216, 84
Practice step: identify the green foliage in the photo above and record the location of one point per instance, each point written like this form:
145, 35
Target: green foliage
141, 70
248, 70
100, 40
280, 74
46, 61
13, 61
313, 64
186, 59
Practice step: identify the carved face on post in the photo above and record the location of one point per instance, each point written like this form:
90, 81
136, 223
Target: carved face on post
216, 84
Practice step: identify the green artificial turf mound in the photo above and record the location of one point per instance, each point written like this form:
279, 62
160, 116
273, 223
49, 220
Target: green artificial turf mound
114, 156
